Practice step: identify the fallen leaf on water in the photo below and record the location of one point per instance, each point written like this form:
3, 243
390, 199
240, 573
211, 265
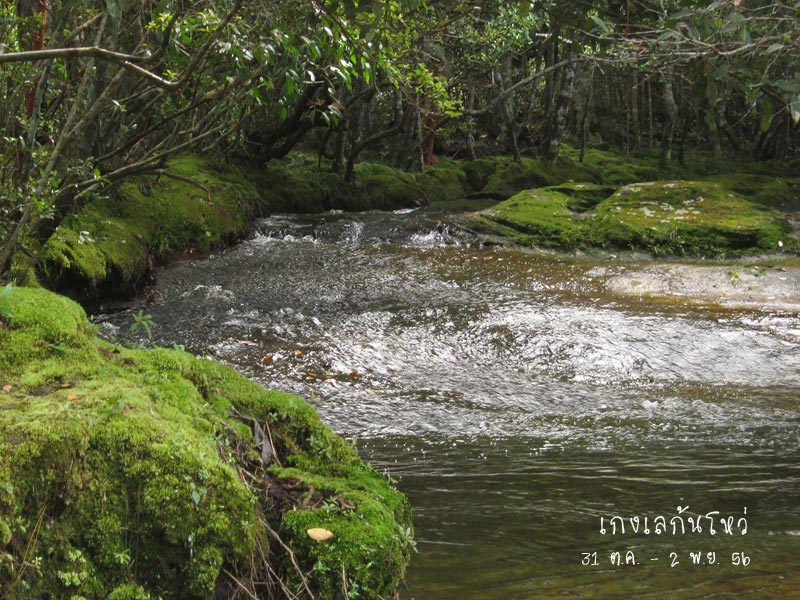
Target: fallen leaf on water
8, 388
320, 535
298, 352
329, 381
312, 374
355, 374
268, 359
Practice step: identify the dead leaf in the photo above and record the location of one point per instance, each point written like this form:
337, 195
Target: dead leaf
298, 352
355, 374
72, 397
8, 388
320, 535
329, 381
268, 359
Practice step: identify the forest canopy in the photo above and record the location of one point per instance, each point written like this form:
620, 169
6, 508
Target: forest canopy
94, 93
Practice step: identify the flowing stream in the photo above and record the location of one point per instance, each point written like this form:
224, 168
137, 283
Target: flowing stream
520, 405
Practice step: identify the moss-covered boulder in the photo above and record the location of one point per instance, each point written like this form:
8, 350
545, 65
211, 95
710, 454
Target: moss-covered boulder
695, 218
678, 218
511, 177
135, 474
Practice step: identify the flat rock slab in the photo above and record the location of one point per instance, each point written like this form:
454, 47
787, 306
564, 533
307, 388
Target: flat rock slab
749, 286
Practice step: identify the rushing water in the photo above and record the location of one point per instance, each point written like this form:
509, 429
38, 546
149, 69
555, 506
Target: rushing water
518, 402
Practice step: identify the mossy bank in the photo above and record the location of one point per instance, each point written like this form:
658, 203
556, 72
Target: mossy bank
136, 474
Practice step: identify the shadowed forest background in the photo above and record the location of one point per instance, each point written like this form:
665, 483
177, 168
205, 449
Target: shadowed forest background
94, 93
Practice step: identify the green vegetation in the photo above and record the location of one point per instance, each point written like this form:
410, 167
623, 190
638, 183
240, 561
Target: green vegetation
113, 242
674, 218
84, 120
133, 474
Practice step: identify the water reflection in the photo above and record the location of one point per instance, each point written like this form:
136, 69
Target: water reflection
512, 519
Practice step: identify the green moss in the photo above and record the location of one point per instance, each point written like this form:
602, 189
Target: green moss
617, 168
781, 193
689, 218
478, 171
122, 472
385, 188
300, 184
540, 217
512, 177
112, 243
680, 218
443, 182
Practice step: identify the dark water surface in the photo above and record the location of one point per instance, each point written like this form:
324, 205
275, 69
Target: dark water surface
517, 402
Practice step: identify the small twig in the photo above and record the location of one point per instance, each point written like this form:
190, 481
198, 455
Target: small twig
345, 591
285, 589
271, 443
240, 584
292, 557
28, 549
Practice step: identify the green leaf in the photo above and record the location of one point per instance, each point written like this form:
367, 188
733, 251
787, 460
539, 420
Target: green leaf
766, 116
794, 108
775, 48
785, 85
600, 23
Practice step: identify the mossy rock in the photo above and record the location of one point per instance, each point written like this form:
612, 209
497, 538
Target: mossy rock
479, 170
110, 246
298, 184
445, 181
133, 474
780, 193
529, 173
675, 218
616, 168
538, 218
380, 187
690, 218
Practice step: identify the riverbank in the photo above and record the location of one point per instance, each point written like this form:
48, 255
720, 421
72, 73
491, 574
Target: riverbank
611, 202
136, 474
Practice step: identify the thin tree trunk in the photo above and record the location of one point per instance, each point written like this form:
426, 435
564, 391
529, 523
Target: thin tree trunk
553, 144
633, 94
651, 120
670, 117
506, 107
585, 116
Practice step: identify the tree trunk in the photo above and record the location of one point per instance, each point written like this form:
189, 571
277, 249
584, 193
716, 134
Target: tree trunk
651, 119
633, 99
553, 144
506, 108
585, 117
670, 117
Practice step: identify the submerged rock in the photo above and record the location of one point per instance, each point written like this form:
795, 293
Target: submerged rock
134, 474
